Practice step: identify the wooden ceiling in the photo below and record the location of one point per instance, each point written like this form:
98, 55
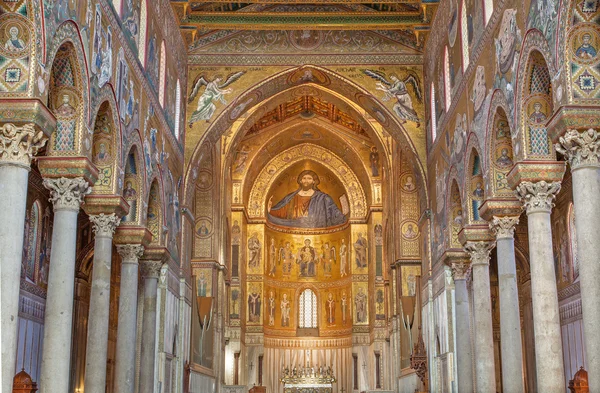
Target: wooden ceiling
204, 16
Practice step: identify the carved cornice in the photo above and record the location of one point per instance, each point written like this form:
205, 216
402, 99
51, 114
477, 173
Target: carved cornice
18, 144
67, 194
104, 225
535, 171
500, 206
480, 252
538, 197
151, 269
130, 253
504, 227
581, 149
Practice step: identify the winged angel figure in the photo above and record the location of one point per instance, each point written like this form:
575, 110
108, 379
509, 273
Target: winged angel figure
397, 89
215, 91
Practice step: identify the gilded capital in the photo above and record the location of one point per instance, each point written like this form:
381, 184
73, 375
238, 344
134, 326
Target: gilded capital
479, 252
67, 194
460, 270
18, 144
151, 269
580, 148
104, 225
538, 197
504, 227
130, 253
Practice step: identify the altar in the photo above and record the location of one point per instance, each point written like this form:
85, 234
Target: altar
308, 380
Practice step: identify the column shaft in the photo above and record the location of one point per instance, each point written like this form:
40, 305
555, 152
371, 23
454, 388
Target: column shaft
127, 329
97, 339
538, 199
148, 354
463, 336
484, 335
582, 150
511, 347
586, 203
66, 194
546, 319
13, 194
510, 318
18, 144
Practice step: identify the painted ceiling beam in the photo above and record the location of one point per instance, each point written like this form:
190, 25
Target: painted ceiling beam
314, 1
296, 21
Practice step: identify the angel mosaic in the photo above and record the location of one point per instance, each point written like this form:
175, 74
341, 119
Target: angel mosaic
396, 88
215, 91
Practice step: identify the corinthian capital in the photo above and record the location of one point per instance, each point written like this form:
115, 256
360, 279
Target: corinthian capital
504, 227
538, 196
130, 252
151, 268
104, 225
580, 148
460, 270
479, 252
18, 144
67, 194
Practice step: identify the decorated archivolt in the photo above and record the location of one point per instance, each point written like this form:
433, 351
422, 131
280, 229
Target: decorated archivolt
276, 166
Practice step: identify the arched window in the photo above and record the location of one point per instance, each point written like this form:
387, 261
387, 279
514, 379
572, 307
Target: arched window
464, 34
162, 79
488, 10
573, 242
432, 109
308, 309
32, 237
143, 24
447, 88
177, 109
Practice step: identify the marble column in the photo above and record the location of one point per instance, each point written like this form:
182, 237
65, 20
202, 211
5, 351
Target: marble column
538, 200
67, 196
17, 147
464, 363
127, 329
510, 318
582, 151
97, 339
485, 373
150, 272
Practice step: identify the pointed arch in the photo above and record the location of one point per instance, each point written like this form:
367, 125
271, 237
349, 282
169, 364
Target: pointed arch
456, 214
154, 215
106, 143
531, 137
474, 190
327, 79
132, 190
500, 152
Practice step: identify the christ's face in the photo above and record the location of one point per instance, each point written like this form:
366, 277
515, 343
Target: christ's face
307, 182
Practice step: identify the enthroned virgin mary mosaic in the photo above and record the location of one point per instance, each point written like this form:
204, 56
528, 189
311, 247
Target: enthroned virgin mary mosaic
307, 206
